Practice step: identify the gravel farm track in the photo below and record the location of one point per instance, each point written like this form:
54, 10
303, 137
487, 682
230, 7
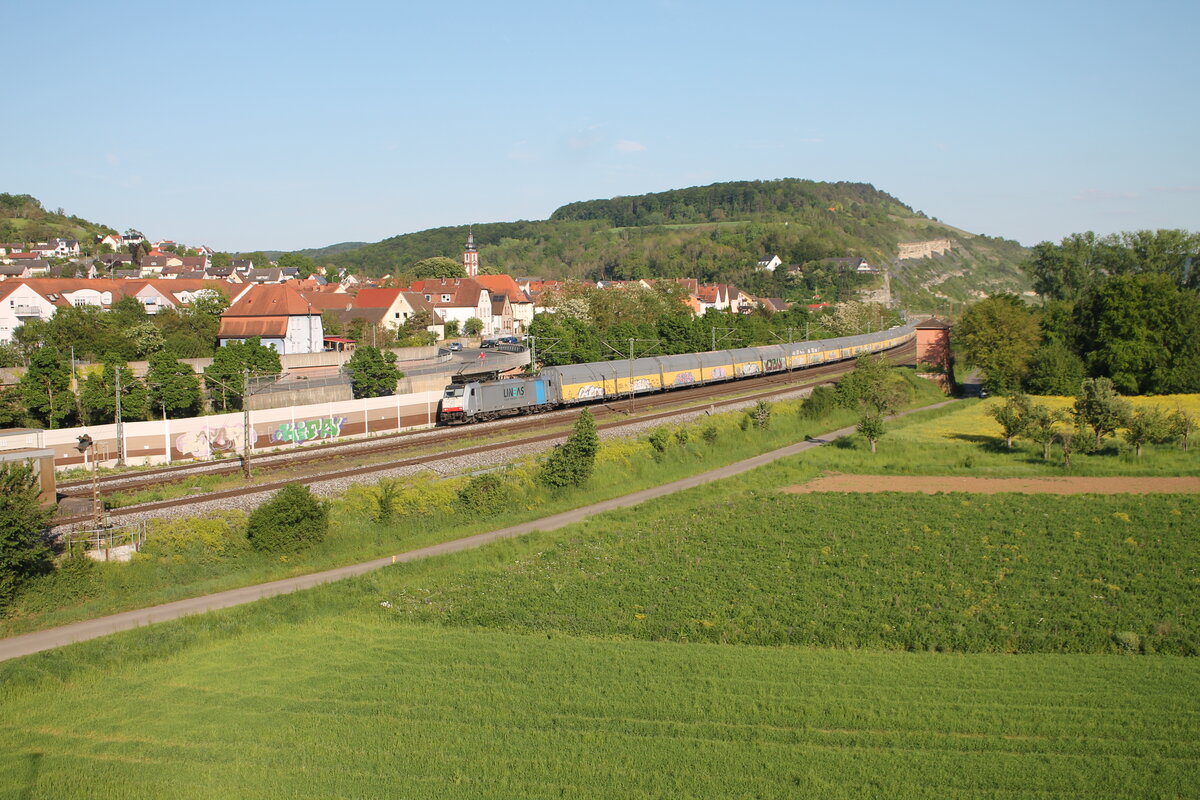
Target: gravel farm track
944, 484
322, 466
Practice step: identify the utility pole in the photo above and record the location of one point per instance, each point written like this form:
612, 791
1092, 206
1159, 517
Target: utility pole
650, 344
120, 422
246, 430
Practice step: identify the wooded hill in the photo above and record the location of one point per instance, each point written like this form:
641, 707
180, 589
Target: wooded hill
716, 233
23, 219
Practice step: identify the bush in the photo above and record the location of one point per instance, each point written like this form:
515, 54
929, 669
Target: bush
197, 539
761, 415
484, 494
659, 439
709, 434
385, 500
572, 463
820, 403
291, 520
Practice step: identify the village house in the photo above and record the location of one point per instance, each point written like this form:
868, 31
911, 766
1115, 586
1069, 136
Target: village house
112, 241
458, 300
520, 305
279, 315
770, 262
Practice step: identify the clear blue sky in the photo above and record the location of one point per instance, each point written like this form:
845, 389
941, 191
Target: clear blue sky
289, 125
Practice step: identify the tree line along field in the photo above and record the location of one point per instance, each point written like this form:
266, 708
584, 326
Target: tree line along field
730, 641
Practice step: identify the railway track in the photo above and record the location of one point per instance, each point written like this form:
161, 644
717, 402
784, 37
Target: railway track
609, 415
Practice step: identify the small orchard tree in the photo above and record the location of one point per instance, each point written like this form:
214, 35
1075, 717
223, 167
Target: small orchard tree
1041, 425
291, 520
876, 390
572, 462
451, 328
473, 326
24, 552
871, 426
1146, 425
1013, 417
1100, 408
1182, 426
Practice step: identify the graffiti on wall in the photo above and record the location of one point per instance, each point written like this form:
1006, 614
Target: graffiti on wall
306, 431
208, 441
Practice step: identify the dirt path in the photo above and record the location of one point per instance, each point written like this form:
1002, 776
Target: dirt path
933, 484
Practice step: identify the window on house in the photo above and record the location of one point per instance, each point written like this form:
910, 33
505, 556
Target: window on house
445, 298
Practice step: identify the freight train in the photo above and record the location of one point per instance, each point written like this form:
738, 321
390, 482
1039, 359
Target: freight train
576, 384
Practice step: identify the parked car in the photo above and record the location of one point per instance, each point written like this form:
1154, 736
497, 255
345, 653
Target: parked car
509, 340
488, 343
455, 347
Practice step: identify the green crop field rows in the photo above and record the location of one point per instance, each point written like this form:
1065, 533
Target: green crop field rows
365, 705
968, 573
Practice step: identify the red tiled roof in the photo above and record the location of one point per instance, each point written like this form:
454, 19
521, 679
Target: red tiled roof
269, 300
377, 298
245, 327
502, 284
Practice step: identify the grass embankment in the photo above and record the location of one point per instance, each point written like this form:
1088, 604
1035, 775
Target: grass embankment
191, 558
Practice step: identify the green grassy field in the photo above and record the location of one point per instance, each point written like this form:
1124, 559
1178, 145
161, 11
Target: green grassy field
359, 704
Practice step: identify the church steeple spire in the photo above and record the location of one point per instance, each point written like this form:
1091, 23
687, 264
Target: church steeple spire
471, 256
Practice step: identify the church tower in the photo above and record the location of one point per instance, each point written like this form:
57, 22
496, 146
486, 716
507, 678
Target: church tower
471, 257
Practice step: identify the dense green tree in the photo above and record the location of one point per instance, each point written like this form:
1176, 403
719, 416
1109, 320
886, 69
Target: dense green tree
437, 267
1054, 369
224, 377
98, 395
473, 326
1068, 270
999, 335
874, 386
1100, 408
451, 328
173, 387
1142, 332
571, 463
24, 551
291, 520
46, 388
12, 408
301, 262
373, 372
